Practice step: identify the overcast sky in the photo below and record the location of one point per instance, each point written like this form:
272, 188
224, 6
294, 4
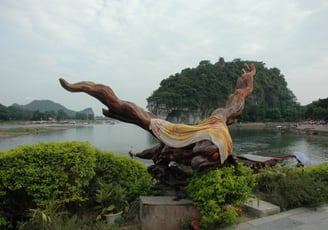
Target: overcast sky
133, 45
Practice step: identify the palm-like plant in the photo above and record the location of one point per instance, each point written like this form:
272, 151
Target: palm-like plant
110, 198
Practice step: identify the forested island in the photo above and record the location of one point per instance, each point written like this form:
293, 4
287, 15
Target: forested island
192, 94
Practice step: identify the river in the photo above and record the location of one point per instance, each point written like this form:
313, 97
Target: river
120, 136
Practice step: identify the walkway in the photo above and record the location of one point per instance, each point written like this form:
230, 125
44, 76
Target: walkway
296, 219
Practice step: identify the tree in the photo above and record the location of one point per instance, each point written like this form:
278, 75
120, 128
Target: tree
61, 115
50, 114
81, 116
4, 114
273, 114
17, 113
317, 109
37, 116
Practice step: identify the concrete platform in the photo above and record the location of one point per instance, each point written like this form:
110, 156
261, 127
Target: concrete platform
260, 208
163, 212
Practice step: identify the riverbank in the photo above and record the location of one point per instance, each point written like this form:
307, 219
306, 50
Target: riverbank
311, 129
9, 132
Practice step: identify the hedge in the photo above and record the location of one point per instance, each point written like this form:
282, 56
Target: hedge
219, 194
292, 188
65, 174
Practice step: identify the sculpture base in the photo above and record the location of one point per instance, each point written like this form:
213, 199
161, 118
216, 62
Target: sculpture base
163, 212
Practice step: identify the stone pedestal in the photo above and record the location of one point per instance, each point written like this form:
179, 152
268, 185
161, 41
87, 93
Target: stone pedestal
163, 212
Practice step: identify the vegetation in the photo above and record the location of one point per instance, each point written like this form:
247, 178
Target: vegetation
110, 198
219, 194
207, 87
317, 110
13, 132
16, 113
70, 185
292, 188
54, 184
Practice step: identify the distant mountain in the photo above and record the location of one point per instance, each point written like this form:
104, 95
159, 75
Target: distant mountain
48, 105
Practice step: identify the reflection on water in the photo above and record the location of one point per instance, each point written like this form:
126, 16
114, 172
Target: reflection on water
119, 137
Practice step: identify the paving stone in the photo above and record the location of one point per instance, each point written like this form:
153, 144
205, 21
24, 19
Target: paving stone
311, 215
295, 219
260, 208
284, 223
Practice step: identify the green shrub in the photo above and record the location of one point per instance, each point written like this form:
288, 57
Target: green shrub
63, 175
130, 174
291, 188
119, 170
33, 175
219, 194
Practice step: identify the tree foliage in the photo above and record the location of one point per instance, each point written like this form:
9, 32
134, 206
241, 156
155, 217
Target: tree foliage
317, 110
207, 87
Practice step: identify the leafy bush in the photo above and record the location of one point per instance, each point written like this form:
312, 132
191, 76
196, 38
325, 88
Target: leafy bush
118, 170
130, 174
62, 175
219, 194
292, 188
32, 175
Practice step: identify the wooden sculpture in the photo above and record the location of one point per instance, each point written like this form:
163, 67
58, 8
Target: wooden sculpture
200, 147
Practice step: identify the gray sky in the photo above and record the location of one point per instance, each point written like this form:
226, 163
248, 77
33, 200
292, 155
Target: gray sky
133, 45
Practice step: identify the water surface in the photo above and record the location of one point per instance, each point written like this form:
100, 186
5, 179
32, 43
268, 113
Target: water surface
119, 137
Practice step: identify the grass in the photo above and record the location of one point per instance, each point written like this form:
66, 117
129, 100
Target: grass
13, 132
